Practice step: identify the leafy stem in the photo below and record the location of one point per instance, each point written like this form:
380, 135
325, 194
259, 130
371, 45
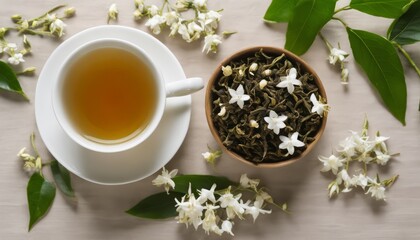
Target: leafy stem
325, 41
33, 144
408, 57
342, 9
342, 21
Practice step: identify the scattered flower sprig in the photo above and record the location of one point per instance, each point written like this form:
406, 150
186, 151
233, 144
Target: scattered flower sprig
40, 191
112, 12
359, 148
211, 156
48, 24
214, 203
337, 55
204, 24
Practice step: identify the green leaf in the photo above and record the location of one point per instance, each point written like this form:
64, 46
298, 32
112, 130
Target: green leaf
157, 206
379, 59
308, 18
200, 181
9, 81
280, 10
406, 29
40, 195
62, 179
381, 8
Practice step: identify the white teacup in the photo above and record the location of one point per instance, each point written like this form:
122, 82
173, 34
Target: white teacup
181, 87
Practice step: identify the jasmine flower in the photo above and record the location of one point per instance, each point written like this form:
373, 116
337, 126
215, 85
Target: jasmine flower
165, 179
289, 81
238, 96
290, 143
275, 122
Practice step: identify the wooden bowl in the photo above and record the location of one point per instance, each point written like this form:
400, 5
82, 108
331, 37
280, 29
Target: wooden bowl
250, 52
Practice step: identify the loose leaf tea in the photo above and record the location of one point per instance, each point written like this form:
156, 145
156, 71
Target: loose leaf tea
244, 130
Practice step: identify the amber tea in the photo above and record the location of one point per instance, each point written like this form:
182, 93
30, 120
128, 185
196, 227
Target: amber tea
110, 95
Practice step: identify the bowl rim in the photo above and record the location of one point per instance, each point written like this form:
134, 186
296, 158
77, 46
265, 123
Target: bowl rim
293, 58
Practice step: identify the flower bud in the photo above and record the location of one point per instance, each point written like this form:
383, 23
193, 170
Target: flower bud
29, 167
263, 83
267, 72
254, 124
29, 71
69, 12
137, 14
113, 12
16, 18
26, 42
24, 25
2, 31
253, 67
227, 71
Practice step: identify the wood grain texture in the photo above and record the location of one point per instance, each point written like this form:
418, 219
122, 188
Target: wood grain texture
100, 211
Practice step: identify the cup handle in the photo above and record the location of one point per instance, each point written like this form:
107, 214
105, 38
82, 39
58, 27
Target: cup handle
184, 87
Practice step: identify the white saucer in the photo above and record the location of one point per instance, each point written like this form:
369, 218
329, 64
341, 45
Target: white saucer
123, 167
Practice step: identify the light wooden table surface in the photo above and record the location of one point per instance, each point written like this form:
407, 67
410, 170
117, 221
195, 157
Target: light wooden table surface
100, 211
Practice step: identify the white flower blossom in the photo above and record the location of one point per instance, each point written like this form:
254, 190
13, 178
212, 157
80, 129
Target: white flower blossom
289, 81
334, 189
210, 221
171, 17
332, 163
29, 167
254, 124
262, 83
199, 3
212, 155
211, 42
57, 27
291, 142
360, 180
382, 158
318, 106
227, 227
16, 59
10, 48
206, 194
231, 204
153, 10
212, 18
227, 70
265, 196
275, 122
189, 212
155, 22
376, 189
245, 182
337, 55
238, 96
165, 179
194, 30
183, 31
182, 5
113, 11
256, 209
380, 142
343, 177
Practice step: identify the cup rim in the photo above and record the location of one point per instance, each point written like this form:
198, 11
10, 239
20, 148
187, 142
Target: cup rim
60, 112
208, 103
